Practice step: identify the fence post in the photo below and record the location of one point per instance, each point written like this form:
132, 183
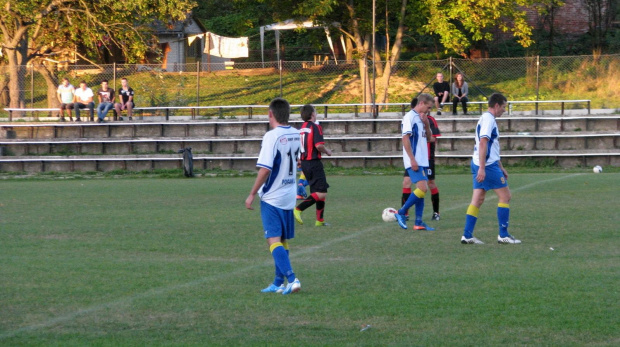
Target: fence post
32, 86
114, 76
198, 83
280, 68
588, 107
537, 76
325, 112
167, 113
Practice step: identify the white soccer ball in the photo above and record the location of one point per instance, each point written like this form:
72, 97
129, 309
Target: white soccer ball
597, 169
388, 214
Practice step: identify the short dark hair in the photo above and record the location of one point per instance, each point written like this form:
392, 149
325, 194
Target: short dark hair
83, 82
281, 110
306, 112
414, 102
106, 81
497, 98
124, 78
65, 79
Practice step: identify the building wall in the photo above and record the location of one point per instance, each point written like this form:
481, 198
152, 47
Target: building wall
570, 19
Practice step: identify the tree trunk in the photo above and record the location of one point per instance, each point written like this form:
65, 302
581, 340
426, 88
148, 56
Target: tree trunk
17, 73
395, 55
51, 80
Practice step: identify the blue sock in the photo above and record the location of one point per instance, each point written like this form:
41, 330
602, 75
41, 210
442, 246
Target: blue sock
282, 261
470, 221
419, 211
412, 200
503, 216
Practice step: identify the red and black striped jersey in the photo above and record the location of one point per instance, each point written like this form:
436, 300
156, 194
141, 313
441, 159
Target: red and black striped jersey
435, 133
311, 136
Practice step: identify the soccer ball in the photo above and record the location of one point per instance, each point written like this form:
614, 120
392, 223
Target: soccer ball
597, 169
388, 214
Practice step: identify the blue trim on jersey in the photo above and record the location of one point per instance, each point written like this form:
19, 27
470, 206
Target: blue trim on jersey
274, 172
492, 139
415, 138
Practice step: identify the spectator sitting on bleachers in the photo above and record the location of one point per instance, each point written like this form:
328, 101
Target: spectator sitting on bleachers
459, 91
442, 92
126, 100
106, 101
83, 98
65, 97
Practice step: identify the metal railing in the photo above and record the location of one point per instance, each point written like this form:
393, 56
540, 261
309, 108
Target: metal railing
194, 111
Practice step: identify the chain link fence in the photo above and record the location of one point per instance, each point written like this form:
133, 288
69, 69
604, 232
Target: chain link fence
328, 82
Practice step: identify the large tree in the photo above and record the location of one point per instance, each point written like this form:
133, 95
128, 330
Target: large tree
458, 24
32, 30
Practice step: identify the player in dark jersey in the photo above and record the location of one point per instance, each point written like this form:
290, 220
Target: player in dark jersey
312, 145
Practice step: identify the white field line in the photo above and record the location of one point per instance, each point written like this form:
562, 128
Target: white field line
163, 290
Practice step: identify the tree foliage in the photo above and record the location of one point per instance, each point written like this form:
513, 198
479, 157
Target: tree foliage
32, 30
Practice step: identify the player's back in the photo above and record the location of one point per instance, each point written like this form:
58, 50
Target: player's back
279, 152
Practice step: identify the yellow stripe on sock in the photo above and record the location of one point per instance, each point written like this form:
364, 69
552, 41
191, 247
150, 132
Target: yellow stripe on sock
473, 211
274, 246
420, 194
501, 204
285, 245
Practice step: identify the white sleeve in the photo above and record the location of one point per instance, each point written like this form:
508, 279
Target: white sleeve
265, 158
406, 125
486, 126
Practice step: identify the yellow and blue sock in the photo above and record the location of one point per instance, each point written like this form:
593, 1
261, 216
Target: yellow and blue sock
412, 200
302, 180
470, 221
503, 217
282, 261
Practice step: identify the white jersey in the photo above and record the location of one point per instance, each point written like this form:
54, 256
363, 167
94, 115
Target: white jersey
279, 152
413, 126
487, 127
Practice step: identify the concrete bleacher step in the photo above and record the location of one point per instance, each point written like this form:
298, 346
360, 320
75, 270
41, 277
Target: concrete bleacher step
242, 128
137, 146
342, 143
567, 158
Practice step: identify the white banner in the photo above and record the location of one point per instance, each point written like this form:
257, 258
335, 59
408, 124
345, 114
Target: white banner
227, 47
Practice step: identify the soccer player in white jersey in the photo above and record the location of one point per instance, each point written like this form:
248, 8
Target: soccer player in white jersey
276, 187
415, 128
488, 173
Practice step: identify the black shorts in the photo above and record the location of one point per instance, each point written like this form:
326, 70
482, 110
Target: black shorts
430, 170
315, 175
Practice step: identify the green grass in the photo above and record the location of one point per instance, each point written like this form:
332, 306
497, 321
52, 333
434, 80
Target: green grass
126, 262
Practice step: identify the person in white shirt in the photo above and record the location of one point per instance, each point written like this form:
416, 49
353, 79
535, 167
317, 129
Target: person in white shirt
65, 97
276, 186
416, 133
83, 98
489, 173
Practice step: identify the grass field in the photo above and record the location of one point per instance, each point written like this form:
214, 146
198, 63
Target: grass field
150, 262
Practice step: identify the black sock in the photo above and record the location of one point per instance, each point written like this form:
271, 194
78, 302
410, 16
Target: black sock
435, 200
306, 203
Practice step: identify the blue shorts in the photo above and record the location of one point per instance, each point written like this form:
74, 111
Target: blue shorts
417, 176
494, 178
277, 222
